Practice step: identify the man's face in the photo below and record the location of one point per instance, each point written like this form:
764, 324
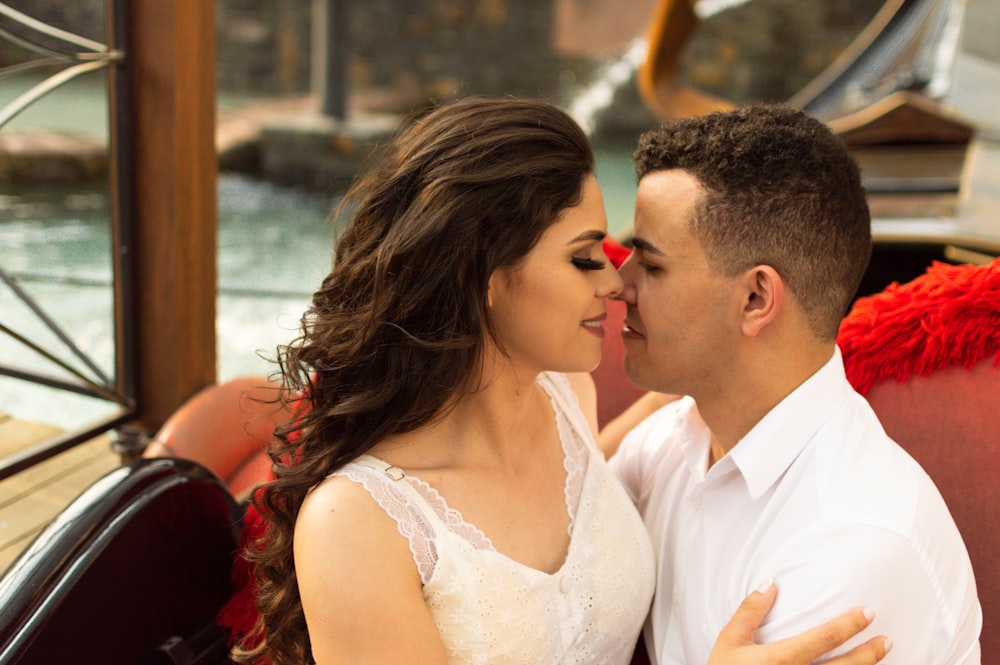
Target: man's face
682, 322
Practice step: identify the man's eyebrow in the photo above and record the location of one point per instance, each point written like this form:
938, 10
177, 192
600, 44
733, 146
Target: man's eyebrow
646, 246
593, 235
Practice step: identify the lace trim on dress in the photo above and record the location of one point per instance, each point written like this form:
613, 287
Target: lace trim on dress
575, 462
576, 453
451, 517
414, 526
411, 523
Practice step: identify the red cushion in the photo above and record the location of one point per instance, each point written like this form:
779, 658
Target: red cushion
948, 422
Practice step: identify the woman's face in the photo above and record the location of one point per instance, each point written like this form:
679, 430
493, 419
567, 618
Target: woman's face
549, 309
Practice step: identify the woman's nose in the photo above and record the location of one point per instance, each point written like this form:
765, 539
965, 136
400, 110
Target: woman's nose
611, 283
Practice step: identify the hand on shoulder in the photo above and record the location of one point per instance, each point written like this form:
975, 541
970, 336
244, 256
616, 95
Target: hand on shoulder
735, 645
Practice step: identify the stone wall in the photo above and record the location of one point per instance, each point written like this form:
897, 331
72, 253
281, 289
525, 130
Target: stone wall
263, 45
415, 51
767, 50
414, 48
764, 49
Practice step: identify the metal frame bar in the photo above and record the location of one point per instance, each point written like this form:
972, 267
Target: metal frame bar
120, 390
55, 328
52, 446
124, 218
53, 82
51, 31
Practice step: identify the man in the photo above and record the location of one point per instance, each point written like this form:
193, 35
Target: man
752, 233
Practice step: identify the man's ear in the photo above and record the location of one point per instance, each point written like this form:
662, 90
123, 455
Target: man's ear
765, 295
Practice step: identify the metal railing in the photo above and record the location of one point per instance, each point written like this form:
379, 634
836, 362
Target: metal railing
74, 56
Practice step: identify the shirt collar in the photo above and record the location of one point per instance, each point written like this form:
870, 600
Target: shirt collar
695, 437
767, 450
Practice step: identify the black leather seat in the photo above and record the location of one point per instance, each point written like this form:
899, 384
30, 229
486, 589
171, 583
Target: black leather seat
131, 572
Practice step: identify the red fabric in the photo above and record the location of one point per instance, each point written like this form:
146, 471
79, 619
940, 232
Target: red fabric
615, 251
239, 615
949, 316
947, 421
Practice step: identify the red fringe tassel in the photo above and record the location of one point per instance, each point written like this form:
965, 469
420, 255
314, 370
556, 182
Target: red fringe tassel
949, 316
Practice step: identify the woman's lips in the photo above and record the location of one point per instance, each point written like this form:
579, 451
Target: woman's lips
593, 325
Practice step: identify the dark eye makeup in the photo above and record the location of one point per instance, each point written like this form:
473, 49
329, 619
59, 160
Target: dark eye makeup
587, 263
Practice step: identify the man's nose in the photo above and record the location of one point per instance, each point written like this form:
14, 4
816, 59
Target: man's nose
627, 272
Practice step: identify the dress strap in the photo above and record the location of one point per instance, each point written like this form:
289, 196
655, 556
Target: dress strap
398, 476
372, 462
558, 388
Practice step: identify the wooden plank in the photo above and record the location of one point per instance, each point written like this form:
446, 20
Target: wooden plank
15, 435
30, 499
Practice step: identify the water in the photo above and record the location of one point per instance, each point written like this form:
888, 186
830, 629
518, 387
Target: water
274, 246
56, 245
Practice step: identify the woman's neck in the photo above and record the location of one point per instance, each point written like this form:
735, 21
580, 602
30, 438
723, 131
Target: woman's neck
496, 423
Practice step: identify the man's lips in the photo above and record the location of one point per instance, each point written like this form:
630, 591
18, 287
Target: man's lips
629, 331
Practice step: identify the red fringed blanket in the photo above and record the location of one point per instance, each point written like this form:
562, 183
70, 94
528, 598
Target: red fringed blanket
949, 316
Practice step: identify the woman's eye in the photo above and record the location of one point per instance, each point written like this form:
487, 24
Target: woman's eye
587, 263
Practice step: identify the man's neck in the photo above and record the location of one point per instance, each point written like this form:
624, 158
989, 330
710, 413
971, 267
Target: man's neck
751, 394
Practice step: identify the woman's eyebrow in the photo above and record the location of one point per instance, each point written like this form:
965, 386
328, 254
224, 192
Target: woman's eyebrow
593, 234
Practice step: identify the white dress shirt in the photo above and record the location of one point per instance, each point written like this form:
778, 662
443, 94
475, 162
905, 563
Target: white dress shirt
819, 499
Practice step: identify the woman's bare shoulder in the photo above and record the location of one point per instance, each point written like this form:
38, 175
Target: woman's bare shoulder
358, 581
339, 503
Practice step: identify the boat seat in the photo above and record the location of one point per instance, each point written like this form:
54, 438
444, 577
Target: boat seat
926, 355
132, 572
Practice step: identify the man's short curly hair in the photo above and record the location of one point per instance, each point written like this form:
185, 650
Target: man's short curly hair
780, 190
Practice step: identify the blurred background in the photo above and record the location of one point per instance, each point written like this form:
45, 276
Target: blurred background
288, 88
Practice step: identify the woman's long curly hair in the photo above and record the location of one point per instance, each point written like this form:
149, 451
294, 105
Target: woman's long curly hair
396, 332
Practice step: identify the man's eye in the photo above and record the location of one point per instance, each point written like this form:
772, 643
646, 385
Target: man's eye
588, 263
648, 267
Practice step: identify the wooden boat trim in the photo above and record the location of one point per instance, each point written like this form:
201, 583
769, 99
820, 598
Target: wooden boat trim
673, 23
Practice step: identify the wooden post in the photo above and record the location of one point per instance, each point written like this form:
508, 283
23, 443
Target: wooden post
171, 183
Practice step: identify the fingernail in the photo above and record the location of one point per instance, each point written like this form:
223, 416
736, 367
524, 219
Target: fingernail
765, 585
869, 614
888, 645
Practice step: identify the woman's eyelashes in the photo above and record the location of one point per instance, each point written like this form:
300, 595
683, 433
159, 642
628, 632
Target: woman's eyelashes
587, 263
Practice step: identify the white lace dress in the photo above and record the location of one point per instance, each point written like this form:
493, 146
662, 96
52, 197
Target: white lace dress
493, 610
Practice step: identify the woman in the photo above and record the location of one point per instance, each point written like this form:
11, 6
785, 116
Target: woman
440, 498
